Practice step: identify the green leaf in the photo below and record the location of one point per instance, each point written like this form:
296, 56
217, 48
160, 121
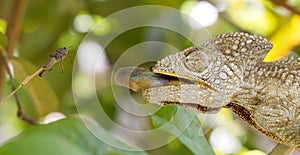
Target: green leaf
192, 137
67, 136
41, 93
3, 41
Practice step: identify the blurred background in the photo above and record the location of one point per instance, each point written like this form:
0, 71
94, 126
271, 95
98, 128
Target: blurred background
32, 29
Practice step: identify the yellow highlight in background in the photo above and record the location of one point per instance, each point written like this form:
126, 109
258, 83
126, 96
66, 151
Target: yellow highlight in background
285, 40
2, 26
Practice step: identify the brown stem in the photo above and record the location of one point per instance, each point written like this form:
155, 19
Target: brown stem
25, 81
56, 57
2, 74
20, 112
14, 23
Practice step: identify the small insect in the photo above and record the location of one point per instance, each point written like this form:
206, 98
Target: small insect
57, 56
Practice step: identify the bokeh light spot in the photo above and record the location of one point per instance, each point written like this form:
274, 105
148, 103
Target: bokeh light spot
203, 14
224, 141
83, 23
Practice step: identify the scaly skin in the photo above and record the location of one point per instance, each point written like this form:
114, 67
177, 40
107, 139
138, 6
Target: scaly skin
228, 71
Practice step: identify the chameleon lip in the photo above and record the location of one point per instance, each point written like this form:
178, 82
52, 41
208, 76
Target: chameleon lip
182, 77
136, 78
196, 106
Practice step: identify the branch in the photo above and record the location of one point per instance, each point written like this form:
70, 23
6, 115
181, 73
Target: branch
2, 73
14, 23
27, 79
56, 57
20, 113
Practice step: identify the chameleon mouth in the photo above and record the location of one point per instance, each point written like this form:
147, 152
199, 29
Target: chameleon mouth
183, 78
172, 75
136, 78
140, 79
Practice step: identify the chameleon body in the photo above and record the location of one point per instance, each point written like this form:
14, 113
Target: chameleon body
228, 71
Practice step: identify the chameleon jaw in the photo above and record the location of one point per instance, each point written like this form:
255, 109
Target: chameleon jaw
165, 89
180, 77
136, 78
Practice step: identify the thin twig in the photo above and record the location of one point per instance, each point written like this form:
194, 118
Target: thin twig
14, 21
56, 57
27, 79
20, 113
2, 74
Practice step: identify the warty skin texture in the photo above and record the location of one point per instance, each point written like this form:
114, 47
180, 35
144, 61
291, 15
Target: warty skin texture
228, 71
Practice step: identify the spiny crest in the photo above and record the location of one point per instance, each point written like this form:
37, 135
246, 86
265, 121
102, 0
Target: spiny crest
239, 44
168, 64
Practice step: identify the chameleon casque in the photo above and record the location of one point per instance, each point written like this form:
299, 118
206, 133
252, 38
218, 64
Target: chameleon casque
228, 71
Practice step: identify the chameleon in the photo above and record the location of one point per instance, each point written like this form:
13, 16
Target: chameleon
228, 71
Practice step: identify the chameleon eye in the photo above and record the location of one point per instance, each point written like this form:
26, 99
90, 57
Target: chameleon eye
197, 61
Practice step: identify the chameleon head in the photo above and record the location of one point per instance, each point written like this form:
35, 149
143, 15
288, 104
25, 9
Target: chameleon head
219, 63
216, 68
196, 65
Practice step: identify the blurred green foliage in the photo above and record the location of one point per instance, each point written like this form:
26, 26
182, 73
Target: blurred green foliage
74, 138
192, 137
51, 24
